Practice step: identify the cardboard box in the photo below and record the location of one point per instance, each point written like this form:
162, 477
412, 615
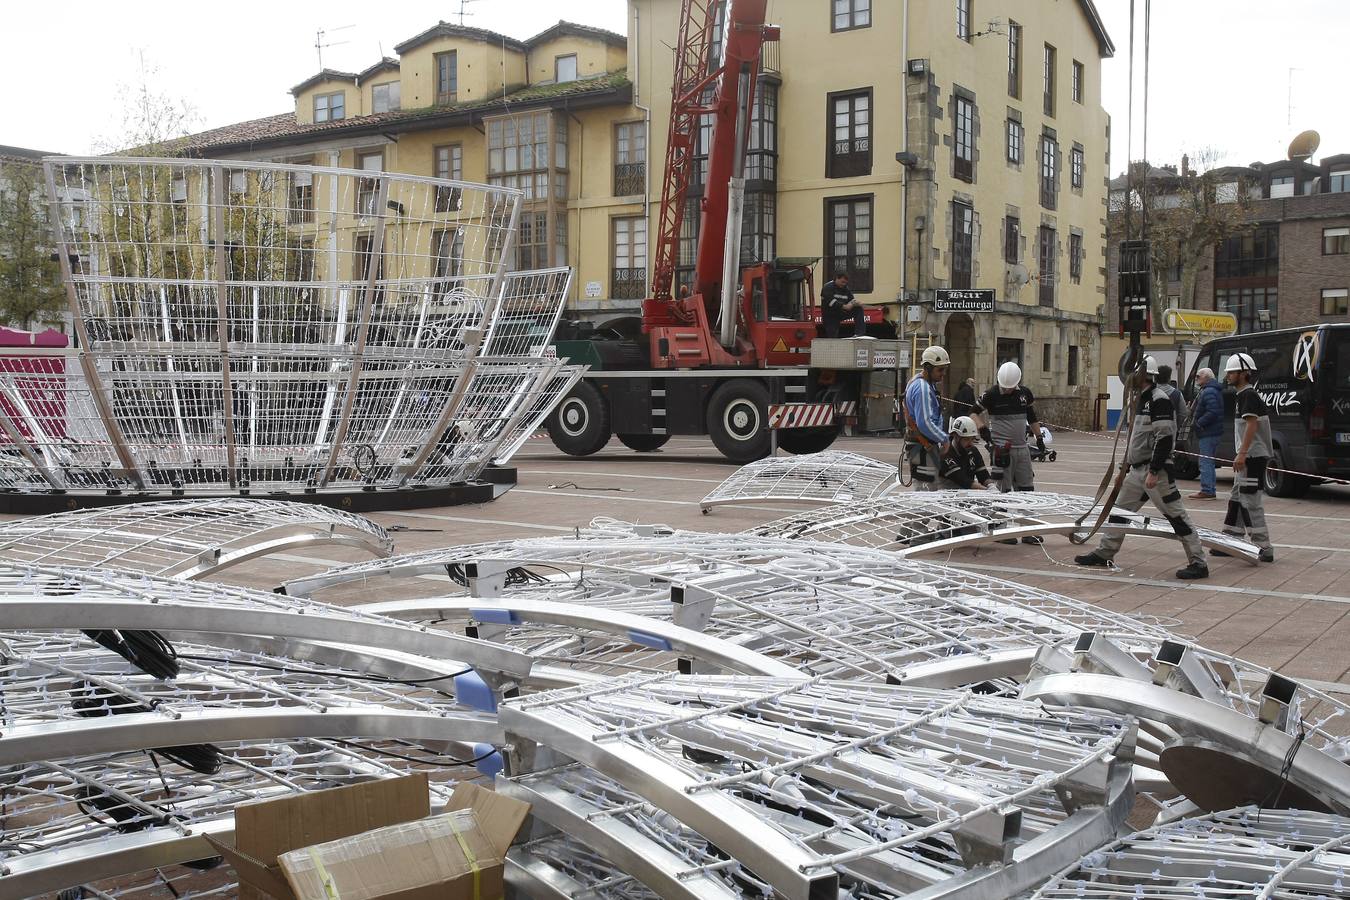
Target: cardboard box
267, 830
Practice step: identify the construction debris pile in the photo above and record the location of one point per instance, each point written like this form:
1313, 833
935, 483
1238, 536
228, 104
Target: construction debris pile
688, 714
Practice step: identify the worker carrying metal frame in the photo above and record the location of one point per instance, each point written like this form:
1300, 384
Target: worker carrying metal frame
1149, 454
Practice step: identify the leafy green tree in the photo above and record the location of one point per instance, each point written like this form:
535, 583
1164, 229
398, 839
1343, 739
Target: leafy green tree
30, 279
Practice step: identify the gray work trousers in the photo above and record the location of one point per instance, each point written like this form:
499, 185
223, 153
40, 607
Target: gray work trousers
1167, 499
1247, 506
1017, 475
923, 466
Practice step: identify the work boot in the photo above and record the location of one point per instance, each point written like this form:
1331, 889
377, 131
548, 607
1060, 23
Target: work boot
1092, 560
1193, 571
1033, 539
1201, 495
1267, 554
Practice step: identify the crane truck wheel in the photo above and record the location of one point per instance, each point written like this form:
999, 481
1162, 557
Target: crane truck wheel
580, 424
807, 440
643, 443
738, 414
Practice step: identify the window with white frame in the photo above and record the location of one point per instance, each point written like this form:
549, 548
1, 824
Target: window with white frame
367, 189
850, 14
449, 165
565, 68
1015, 140
964, 140
628, 272
1336, 241
385, 97
630, 159
1336, 302
963, 19
519, 153
1076, 167
330, 107
851, 135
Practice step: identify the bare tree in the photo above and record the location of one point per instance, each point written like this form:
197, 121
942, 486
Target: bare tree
1188, 213
30, 279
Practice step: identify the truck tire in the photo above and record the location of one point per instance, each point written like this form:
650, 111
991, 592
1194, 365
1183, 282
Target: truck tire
580, 424
737, 419
807, 440
644, 443
1283, 484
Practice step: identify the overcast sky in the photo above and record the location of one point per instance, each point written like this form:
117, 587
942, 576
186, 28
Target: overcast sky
1220, 68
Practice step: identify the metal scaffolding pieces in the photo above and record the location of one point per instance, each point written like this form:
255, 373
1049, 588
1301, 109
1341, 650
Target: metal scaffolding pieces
1247, 852
832, 476
810, 784
250, 326
818, 608
1224, 731
931, 522
184, 539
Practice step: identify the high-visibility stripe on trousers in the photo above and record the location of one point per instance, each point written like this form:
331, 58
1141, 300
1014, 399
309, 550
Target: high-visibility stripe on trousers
1247, 504
1167, 499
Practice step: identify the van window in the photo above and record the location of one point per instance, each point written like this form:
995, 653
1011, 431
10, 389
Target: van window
1340, 376
1274, 362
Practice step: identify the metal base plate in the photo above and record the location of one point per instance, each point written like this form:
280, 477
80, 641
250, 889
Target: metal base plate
1215, 780
495, 481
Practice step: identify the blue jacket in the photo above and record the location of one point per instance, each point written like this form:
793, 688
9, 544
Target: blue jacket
924, 407
1208, 411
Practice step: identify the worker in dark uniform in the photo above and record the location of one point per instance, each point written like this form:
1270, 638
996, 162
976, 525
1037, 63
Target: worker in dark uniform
962, 464
1251, 436
925, 439
1150, 477
1008, 411
836, 302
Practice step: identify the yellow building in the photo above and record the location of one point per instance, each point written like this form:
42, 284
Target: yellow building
994, 176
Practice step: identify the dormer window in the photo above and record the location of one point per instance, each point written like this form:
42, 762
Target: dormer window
447, 77
384, 97
565, 68
330, 107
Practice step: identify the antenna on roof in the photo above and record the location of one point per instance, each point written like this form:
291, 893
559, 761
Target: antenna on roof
320, 43
462, 13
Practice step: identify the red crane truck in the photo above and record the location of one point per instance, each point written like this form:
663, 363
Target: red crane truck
719, 357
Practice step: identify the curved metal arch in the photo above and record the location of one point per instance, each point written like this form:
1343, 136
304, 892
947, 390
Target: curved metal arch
642, 631
58, 598
185, 539
1248, 738
832, 476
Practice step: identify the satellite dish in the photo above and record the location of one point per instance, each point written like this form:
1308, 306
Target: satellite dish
1304, 146
1017, 274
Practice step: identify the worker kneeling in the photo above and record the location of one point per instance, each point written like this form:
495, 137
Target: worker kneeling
1148, 455
962, 465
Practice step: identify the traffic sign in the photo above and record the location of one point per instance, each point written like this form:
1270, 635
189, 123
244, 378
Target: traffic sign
1196, 321
952, 300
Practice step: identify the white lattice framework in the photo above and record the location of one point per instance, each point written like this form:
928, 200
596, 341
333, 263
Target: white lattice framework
246, 325
805, 783
1247, 852
845, 611
930, 522
185, 538
831, 476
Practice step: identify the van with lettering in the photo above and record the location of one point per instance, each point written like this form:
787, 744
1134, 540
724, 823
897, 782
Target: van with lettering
1303, 374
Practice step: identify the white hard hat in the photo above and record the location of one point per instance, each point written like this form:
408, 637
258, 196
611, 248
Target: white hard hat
1150, 365
1009, 375
964, 426
1240, 362
936, 356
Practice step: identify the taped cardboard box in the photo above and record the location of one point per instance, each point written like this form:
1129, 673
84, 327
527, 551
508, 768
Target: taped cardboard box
265, 831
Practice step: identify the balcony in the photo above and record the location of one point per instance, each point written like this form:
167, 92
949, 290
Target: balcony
630, 179
769, 56
628, 283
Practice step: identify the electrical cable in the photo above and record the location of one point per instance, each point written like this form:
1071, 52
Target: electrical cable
146, 650
386, 752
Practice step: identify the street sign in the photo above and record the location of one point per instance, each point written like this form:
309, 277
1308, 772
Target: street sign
1196, 321
948, 300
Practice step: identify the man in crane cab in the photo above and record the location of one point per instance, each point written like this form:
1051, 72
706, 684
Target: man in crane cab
836, 302
925, 439
1149, 456
962, 464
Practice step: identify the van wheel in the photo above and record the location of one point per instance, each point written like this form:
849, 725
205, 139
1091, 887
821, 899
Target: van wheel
580, 424
737, 420
807, 440
644, 443
1283, 484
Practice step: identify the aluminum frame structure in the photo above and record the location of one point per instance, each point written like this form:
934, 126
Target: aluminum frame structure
818, 608
186, 539
293, 328
810, 783
1210, 713
923, 523
831, 476
1245, 852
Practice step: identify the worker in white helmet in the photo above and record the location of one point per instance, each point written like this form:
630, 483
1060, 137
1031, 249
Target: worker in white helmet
925, 438
962, 464
1149, 456
1008, 412
1251, 436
